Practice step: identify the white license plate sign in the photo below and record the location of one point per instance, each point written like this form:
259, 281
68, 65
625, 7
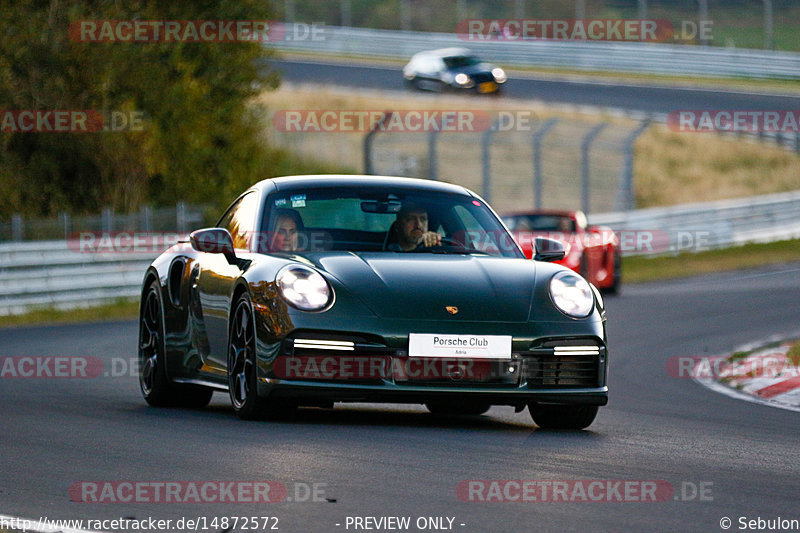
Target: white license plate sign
472, 346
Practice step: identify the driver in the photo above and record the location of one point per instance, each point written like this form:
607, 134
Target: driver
411, 229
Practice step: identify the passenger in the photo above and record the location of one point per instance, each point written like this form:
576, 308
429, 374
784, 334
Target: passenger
286, 231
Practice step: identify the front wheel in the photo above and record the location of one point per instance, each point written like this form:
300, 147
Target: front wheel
562, 416
242, 373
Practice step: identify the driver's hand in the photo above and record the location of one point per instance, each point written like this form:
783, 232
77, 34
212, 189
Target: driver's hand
431, 238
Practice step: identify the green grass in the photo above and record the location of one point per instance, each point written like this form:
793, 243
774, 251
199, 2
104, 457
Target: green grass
794, 354
642, 269
121, 309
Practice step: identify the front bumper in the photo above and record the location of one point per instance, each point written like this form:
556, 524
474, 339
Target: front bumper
392, 393
484, 87
569, 368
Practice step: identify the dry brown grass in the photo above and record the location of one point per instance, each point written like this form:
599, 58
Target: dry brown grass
675, 168
670, 167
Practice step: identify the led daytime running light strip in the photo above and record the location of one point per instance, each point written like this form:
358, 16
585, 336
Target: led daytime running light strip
576, 350
324, 345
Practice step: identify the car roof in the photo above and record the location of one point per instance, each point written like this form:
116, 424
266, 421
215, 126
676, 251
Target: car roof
447, 52
547, 212
350, 180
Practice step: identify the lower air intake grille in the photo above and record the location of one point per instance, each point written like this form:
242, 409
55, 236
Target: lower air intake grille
575, 366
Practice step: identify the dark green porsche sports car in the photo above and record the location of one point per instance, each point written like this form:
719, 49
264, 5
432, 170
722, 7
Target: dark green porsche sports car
320, 289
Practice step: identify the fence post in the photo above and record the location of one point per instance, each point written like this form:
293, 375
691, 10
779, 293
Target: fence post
144, 213
432, 162
625, 198
368, 167
16, 227
405, 15
642, 10
347, 13
585, 146
180, 214
64, 216
486, 162
768, 25
107, 216
538, 176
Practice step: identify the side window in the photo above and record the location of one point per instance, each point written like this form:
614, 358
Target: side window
240, 218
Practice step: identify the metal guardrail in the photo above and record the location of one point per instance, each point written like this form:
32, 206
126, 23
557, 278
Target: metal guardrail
701, 226
56, 274
179, 218
653, 58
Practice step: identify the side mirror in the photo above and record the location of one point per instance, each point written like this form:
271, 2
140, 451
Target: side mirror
213, 241
548, 250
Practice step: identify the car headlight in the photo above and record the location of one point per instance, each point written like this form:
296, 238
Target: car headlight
304, 288
499, 75
571, 294
462, 79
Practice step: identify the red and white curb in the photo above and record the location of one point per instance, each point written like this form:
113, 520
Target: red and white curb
762, 375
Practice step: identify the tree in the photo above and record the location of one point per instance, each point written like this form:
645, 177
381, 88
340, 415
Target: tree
200, 139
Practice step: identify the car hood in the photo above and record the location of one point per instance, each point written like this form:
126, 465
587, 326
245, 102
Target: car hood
422, 286
480, 68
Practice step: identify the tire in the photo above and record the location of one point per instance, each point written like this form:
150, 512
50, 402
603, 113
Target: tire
453, 408
242, 374
562, 416
156, 387
616, 284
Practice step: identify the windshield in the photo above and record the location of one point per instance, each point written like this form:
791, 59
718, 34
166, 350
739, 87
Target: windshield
391, 221
540, 223
460, 61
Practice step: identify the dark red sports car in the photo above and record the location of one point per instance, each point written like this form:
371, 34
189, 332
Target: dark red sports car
592, 251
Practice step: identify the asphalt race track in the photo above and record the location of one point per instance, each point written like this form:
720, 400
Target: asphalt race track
402, 461
629, 97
